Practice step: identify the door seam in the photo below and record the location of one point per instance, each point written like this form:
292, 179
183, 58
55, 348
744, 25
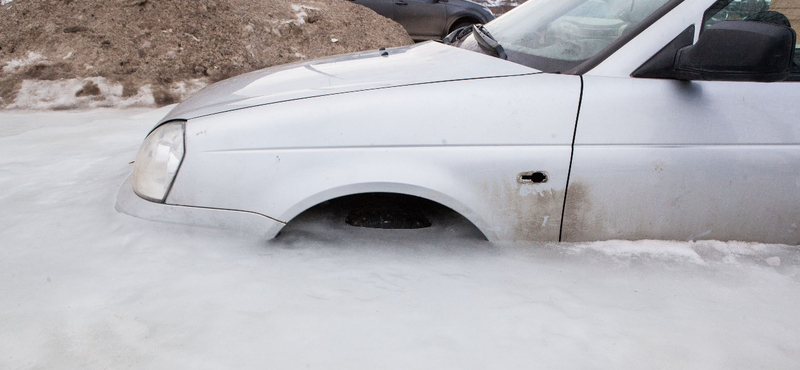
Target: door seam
571, 157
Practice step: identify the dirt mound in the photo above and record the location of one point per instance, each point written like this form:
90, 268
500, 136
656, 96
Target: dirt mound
154, 52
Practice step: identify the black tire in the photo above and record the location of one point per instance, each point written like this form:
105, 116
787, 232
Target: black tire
461, 23
388, 213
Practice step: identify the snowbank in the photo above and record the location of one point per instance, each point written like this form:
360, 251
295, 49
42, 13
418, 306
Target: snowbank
85, 287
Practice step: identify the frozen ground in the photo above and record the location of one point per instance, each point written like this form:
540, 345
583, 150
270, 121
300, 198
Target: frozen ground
84, 287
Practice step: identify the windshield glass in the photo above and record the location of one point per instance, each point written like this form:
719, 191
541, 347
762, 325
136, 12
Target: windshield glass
556, 35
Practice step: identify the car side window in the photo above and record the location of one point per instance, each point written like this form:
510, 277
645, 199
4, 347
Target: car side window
766, 11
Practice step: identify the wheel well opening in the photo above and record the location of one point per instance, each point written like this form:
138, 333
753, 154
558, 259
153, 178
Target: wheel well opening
463, 21
387, 211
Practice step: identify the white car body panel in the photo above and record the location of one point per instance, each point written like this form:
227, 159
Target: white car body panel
248, 222
421, 63
722, 167
466, 159
687, 193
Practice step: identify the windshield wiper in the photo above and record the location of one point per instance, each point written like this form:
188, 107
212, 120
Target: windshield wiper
486, 41
457, 35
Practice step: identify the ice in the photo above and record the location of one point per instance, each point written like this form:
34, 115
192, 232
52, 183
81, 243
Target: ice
645, 248
85, 287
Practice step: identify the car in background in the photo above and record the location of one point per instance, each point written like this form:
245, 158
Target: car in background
562, 120
430, 19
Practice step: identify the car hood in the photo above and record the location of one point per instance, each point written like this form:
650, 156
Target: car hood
416, 64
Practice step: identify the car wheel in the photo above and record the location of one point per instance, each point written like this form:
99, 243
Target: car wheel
389, 216
461, 23
388, 211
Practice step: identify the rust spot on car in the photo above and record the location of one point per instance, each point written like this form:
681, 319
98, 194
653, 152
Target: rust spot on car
578, 223
524, 211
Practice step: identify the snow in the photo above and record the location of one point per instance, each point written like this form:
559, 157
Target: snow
495, 3
301, 14
84, 287
15, 65
63, 94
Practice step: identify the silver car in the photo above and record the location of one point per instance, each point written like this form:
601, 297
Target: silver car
562, 120
430, 19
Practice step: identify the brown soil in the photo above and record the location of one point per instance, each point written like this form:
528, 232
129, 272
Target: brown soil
161, 42
790, 8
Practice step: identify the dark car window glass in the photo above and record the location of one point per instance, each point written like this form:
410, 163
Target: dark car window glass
752, 10
556, 35
733, 10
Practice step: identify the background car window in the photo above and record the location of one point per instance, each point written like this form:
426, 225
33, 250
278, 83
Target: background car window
781, 12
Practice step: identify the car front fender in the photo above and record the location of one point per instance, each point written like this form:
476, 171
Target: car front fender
461, 144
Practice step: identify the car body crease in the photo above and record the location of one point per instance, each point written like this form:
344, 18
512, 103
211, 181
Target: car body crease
367, 147
357, 91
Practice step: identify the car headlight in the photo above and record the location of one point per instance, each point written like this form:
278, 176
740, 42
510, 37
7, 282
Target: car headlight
158, 161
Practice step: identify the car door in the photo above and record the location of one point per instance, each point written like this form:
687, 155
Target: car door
685, 160
423, 19
382, 7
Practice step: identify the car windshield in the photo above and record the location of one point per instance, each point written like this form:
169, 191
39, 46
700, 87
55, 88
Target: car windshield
556, 35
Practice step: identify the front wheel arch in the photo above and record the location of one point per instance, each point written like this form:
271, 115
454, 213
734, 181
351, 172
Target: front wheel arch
462, 22
392, 189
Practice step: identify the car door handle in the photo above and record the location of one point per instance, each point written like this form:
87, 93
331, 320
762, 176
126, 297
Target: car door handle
532, 177
401, 2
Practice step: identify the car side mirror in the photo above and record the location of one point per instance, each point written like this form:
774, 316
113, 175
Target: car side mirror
739, 51
726, 51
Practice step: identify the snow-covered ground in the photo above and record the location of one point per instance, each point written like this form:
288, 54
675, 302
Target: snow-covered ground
496, 3
84, 287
